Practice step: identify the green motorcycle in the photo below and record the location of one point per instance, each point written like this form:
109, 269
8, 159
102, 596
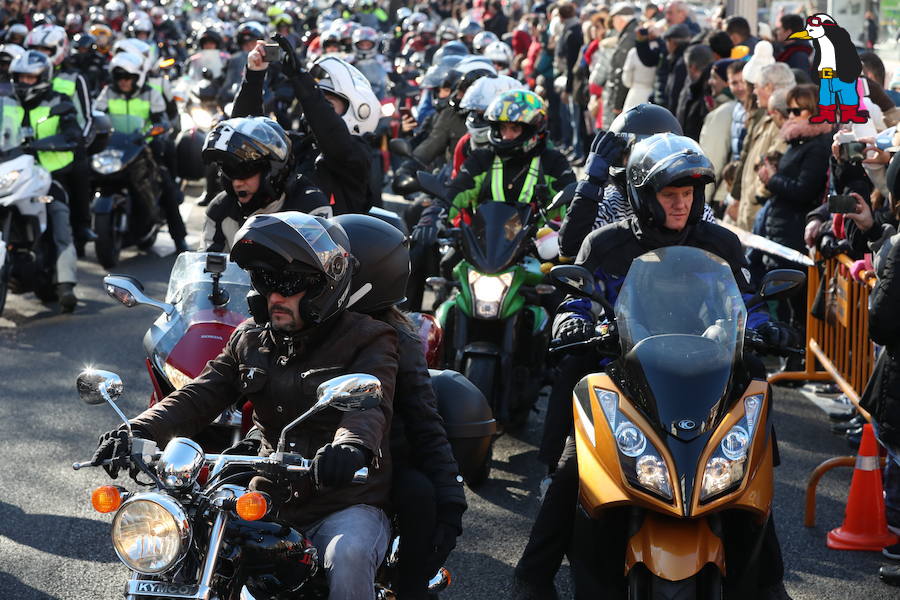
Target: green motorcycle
495, 329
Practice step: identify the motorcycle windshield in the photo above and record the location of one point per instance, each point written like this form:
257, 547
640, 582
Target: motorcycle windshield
126, 123
681, 323
11, 134
491, 241
210, 60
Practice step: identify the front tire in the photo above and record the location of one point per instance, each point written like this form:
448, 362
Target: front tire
644, 585
109, 240
5, 268
482, 371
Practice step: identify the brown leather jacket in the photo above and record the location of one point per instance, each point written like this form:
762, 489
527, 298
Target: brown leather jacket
280, 376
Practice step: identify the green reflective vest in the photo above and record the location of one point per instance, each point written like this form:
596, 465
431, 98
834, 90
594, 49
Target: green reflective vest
64, 86
44, 126
531, 180
138, 107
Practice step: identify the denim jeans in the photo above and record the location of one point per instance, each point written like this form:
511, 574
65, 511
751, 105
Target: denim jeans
351, 544
891, 477
576, 116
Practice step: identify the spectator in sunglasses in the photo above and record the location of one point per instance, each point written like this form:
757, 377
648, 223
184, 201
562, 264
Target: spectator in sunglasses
254, 156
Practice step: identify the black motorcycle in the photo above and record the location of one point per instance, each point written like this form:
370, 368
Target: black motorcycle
127, 189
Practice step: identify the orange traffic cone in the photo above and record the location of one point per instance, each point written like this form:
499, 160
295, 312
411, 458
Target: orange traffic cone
865, 523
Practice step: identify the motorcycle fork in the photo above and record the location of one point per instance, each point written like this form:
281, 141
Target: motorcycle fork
216, 537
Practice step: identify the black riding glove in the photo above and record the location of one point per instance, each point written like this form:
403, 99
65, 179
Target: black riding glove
573, 330
779, 335
606, 150
115, 446
446, 530
335, 464
425, 231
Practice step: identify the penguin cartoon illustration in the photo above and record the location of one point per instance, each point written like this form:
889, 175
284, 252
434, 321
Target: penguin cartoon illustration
838, 66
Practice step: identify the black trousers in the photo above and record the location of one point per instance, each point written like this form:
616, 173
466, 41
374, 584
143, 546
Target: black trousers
77, 182
414, 499
171, 197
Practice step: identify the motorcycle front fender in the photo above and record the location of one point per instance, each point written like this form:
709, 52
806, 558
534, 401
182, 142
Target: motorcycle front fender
673, 548
104, 203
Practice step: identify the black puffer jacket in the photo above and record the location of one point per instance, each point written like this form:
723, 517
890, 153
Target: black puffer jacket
799, 184
418, 438
882, 395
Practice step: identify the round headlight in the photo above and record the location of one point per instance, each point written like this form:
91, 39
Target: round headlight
735, 443
150, 533
630, 439
108, 161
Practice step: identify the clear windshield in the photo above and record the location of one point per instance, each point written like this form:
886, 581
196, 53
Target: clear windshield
211, 60
190, 287
11, 137
681, 322
126, 123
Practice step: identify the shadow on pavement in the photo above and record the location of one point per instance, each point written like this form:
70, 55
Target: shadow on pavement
74, 537
13, 588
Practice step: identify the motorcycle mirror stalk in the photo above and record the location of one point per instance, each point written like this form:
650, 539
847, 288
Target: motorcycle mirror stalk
130, 292
357, 391
778, 284
578, 281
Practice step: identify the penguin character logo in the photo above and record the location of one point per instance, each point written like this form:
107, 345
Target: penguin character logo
838, 66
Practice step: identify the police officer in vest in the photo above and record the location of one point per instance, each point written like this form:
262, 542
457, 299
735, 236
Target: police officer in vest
128, 94
49, 114
53, 41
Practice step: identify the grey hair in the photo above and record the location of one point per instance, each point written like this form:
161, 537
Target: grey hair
777, 74
778, 100
698, 56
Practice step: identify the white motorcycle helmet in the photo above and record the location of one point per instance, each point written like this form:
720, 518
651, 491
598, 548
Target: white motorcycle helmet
482, 40
51, 40
345, 81
129, 63
501, 55
476, 100
139, 48
361, 37
10, 52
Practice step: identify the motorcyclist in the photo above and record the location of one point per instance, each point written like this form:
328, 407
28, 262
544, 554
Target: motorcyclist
31, 74
16, 34
426, 491
666, 176
481, 41
468, 29
8, 53
370, 14
103, 38
339, 107
473, 104
141, 28
501, 55
86, 60
369, 61
301, 266
256, 160
165, 30
128, 94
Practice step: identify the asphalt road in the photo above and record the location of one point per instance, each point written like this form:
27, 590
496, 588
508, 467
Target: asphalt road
52, 544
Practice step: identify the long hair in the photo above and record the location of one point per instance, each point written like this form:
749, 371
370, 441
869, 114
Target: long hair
397, 319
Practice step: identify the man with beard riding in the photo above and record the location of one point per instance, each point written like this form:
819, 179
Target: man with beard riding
300, 265
666, 178
255, 159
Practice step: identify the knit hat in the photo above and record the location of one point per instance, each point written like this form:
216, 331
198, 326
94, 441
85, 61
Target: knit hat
721, 68
763, 56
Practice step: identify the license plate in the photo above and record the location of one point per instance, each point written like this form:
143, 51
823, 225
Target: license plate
136, 587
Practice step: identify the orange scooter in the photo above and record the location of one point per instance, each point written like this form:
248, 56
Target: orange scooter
675, 449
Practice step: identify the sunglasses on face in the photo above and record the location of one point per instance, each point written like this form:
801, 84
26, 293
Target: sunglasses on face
286, 284
794, 111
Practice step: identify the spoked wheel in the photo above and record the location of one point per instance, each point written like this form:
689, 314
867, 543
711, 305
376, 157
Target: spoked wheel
108, 244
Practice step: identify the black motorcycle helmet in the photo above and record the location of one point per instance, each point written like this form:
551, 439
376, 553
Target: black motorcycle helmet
83, 41
210, 35
245, 146
661, 160
383, 255
290, 252
638, 123
892, 177
465, 82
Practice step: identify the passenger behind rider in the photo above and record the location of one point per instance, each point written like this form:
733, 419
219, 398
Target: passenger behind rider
427, 491
666, 175
31, 74
129, 95
301, 265
255, 157
339, 107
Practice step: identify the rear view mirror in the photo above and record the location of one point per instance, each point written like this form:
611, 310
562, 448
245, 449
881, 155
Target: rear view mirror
400, 147
573, 279
778, 284
130, 292
350, 392
563, 197
97, 387
432, 185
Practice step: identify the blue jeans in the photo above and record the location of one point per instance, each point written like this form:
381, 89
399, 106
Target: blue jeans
834, 91
351, 545
576, 117
891, 477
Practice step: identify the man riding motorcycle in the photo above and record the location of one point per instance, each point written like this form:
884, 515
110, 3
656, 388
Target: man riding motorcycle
666, 175
255, 158
339, 107
128, 94
86, 60
301, 266
31, 74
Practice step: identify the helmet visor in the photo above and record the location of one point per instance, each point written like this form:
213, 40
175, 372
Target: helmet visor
236, 169
285, 283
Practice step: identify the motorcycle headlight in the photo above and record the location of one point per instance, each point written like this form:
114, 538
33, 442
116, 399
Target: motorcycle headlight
726, 466
202, 118
177, 378
488, 292
8, 180
151, 533
108, 161
641, 461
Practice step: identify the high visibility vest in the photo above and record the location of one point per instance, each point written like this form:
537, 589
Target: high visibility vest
137, 106
531, 180
44, 126
64, 86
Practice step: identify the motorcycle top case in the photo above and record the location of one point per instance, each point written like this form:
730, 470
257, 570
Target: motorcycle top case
467, 416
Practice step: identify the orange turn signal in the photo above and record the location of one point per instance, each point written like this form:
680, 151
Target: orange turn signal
156, 130
252, 506
165, 64
106, 498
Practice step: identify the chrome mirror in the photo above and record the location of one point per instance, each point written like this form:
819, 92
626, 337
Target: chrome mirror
180, 463
357, 391
96, 387
130, 292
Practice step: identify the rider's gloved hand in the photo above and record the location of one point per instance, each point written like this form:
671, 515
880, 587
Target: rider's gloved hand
425, 231
606, 150
573, 330
779, 335
446, 530
115, 446
335, 464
